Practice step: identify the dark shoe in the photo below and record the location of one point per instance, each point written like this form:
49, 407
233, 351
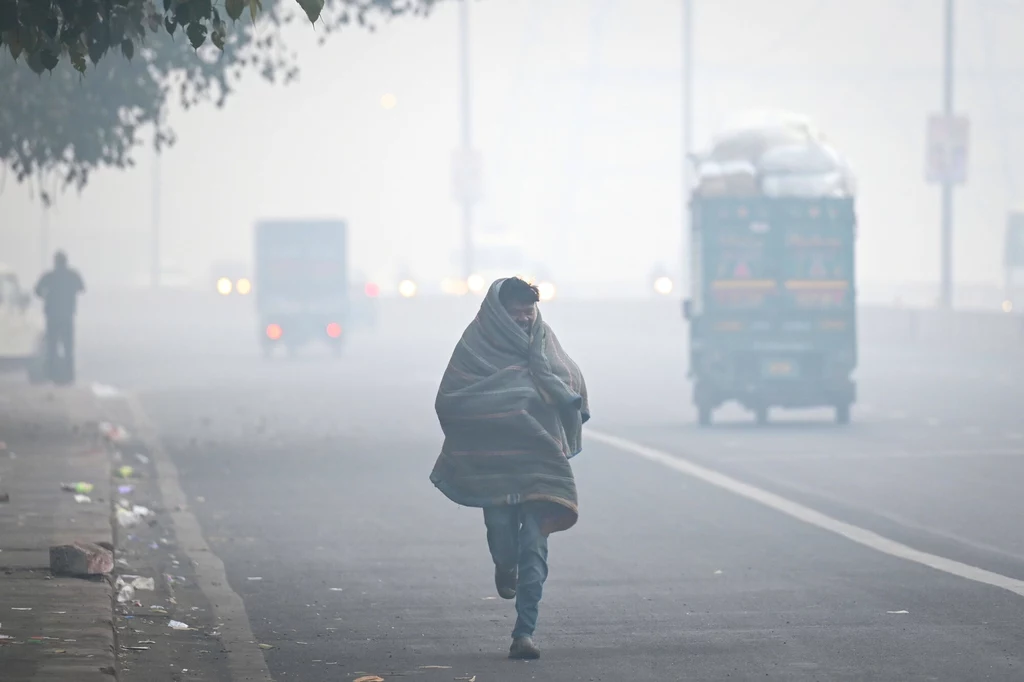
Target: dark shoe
505, 581
524, 649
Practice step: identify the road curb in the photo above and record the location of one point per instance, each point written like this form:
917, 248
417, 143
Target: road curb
245, 661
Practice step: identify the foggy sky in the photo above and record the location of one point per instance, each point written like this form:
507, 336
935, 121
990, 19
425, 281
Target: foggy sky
577, 113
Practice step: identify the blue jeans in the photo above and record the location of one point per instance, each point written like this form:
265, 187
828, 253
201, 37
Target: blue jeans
515, 539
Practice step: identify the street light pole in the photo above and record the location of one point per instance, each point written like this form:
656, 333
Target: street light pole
466, 135
687, 138
946, 274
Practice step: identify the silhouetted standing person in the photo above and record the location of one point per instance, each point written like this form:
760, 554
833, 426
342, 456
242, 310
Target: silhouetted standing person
59, 288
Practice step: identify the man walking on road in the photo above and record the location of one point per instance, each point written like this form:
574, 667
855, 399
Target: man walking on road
59, 288
512, 406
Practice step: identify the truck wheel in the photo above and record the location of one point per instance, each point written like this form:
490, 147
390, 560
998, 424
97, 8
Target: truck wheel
761, 415
36, 371
704, 415
842, 414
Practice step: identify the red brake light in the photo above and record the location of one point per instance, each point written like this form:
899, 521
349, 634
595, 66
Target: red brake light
371, 290
334, 330
274, 332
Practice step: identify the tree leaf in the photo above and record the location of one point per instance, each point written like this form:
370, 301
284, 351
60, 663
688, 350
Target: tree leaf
217, 37
128, 48
170, 25
234, 8
78, 61
312, 8
13, 44
35, 62
196, 33
49, 59
255, 7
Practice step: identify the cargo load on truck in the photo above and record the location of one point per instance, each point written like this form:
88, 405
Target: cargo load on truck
773, 154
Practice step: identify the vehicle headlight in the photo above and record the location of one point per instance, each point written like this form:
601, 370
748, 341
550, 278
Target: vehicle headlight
475, 283
407, 288
1007, 306
243, 286
546, 291
663, 286
224, 286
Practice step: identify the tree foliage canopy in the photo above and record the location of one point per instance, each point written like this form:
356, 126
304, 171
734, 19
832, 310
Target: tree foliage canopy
83, 114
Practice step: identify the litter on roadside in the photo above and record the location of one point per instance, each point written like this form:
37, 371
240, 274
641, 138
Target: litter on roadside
125, 593
147, 584
266, 646
113, 433
143, 459
126, 519
177, 625
80, 487
125, 489
83, 499
125, 471
137, 648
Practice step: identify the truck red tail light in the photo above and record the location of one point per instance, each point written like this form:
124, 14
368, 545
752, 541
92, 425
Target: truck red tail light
371, 290
274, 332
334, 330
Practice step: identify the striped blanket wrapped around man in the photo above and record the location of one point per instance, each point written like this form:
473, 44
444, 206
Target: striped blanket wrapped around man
512, 407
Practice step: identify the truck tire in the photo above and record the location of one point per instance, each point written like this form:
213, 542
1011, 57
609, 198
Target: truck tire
761, 415
843, 414
704, 413
36, 371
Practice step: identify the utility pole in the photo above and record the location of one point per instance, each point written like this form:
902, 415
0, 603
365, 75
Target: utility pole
466, 135
44, 238
154, 228
687, 137
946, 274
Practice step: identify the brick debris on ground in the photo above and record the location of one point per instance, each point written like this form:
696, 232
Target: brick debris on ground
52, 627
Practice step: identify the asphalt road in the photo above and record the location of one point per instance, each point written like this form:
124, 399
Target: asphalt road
311, 474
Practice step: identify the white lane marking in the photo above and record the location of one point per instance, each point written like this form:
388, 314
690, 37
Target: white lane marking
810, 516
840, 456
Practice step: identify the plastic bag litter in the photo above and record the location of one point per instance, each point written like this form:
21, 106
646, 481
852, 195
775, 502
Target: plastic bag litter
125, 592
177, 625
126, 518
147, 584
83, 499
80, 487
125, 472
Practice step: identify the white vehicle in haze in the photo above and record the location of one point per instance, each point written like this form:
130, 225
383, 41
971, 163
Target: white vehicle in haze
231, 278
498, 254
22, 329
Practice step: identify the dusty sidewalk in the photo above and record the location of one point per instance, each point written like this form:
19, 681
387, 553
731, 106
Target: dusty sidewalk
52, 628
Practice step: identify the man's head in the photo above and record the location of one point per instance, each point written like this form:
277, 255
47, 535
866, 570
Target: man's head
520, 300
60, 260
